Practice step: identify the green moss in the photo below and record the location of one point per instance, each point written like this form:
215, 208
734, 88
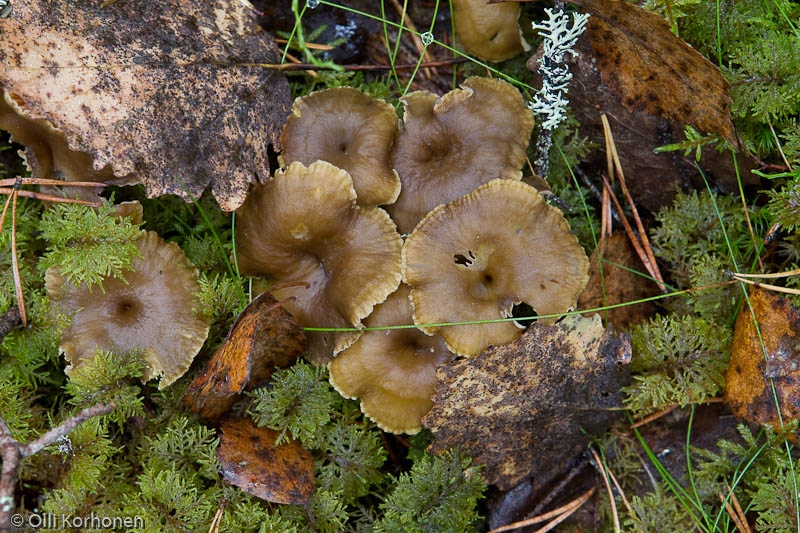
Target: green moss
88, 244
676, 361
439, 494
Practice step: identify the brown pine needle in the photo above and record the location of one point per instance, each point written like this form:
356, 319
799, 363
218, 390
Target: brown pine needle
736, 513
310, 46
611, 148
13, 188
767, 286
606, 474
422, 50
217, 521
773, 275
654, 416
558, 515
637, 246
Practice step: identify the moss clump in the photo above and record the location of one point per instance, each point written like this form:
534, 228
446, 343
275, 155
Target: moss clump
676, 360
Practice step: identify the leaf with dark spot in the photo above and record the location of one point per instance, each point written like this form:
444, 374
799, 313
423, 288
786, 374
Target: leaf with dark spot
264, 337
171, 94
251, 461
650, 68
527, 407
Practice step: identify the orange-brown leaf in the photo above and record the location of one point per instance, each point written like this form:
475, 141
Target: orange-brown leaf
251, 461
753, 365
264, 337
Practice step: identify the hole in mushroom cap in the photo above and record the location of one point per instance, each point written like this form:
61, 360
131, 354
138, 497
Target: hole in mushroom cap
523, 310
465, 260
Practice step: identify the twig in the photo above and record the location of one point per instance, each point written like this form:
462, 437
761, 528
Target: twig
13, 452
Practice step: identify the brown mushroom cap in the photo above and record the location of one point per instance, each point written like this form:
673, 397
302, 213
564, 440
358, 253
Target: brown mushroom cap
488, 31
393, 371
476, 257
451, 145
151, 310
350, 130
304, 226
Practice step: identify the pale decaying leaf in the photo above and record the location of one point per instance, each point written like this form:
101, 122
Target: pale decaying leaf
169, 93
526, 407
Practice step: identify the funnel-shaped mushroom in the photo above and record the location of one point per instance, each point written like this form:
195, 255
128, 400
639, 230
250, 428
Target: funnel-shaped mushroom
304, 227
451, 145
393, 372
151, 310
488, 31
350, 130
478, 256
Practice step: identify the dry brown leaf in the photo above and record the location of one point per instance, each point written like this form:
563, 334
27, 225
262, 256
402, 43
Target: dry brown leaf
527, 407
616, 284
164, 92
264, 337
755, 367
251, 461
650, 68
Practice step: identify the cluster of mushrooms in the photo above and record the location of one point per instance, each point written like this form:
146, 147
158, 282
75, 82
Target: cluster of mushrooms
328, 229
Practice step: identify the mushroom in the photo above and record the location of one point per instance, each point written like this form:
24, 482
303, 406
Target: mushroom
392, 371
451, 145
350, 130
332, 260
488, 31
478, 256
151, 309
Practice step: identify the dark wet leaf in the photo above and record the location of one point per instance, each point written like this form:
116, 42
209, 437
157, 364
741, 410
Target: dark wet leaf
527, 407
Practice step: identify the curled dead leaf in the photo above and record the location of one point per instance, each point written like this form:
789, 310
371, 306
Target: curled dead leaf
651, 68
764, 357
264, 337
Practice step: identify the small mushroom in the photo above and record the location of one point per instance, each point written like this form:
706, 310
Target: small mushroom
478, 256
152, 310
488, 31
451, 145
330, 259
350, 130
392, 371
